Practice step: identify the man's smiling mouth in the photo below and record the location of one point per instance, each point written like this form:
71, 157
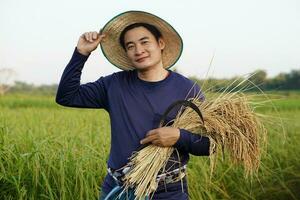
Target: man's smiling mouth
141, 59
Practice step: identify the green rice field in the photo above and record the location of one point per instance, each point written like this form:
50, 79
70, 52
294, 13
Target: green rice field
52, 152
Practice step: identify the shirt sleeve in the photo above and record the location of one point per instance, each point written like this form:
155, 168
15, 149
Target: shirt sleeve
189, 142
71, 93
195, 144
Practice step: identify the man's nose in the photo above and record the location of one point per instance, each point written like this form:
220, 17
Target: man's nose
139, 50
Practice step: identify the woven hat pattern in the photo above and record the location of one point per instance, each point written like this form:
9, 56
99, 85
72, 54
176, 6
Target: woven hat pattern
114, 52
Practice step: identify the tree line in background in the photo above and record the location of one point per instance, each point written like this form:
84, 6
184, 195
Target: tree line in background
257, 80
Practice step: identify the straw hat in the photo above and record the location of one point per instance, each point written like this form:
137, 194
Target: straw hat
114, 52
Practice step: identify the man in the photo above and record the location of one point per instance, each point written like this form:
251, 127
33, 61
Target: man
144, 46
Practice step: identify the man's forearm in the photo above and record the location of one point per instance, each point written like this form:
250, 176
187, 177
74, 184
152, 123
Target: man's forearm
193, 143
70, 80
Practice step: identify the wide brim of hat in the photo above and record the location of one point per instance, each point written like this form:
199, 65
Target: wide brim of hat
116, 55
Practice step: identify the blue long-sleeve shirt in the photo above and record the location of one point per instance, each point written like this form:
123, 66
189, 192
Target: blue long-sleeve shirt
135, 106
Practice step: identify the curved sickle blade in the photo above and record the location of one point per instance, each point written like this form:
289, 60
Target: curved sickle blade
181, 102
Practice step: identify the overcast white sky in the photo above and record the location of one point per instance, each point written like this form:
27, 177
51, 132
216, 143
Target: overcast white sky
37, 38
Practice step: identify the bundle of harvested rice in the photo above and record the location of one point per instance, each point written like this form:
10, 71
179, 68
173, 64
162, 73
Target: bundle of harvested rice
230, 123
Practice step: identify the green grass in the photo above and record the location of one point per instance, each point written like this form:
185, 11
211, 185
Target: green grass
51, 152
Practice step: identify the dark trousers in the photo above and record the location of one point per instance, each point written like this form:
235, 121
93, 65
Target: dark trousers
171, 191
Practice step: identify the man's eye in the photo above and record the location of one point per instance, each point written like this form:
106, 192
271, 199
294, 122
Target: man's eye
144, 42
129, 47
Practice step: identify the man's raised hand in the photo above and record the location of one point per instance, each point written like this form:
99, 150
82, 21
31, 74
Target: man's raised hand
88, 42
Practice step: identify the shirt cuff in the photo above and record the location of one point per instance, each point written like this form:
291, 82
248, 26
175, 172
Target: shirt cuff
192, 143
80, 56
183, 140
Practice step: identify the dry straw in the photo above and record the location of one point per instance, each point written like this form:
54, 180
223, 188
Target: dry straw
232, 126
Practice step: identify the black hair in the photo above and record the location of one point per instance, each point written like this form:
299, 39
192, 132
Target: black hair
155, 32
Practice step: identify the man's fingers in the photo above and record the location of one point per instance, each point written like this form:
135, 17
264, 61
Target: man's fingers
152, 132
157, 142
148, 139
102, 36
90, 37
86, 36
150, 136
95, 35
145, 141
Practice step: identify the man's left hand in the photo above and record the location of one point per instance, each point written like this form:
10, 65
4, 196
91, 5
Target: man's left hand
163, 137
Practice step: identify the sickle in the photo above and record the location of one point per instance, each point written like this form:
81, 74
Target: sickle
180, 102
173, 105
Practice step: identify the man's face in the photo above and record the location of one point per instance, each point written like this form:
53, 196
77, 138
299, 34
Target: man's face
142, 48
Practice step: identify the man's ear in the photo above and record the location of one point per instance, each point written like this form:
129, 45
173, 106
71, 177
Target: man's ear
161, 43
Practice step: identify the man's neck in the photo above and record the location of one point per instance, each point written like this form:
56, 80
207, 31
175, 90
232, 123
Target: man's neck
153, 75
